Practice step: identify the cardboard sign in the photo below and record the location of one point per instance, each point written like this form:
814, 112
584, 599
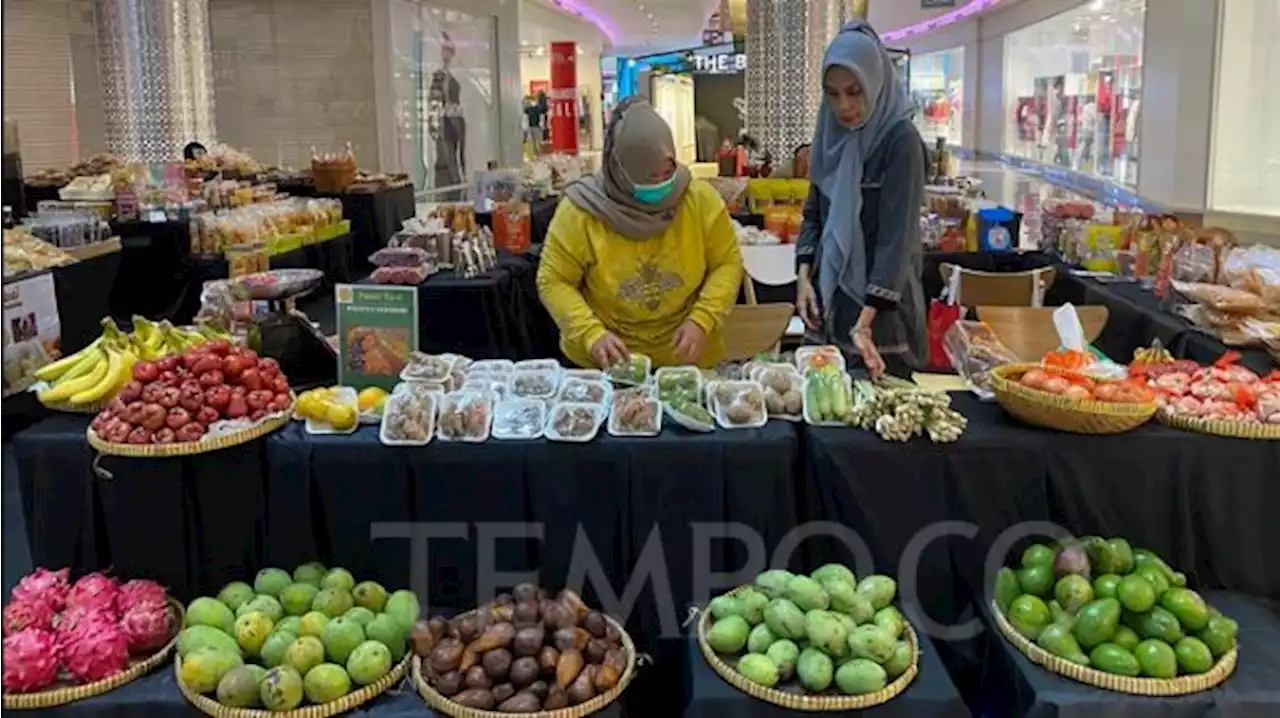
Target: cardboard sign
32, 330
377, 328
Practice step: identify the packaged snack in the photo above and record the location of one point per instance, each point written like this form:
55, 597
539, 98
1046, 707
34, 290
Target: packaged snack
398, 257
421, 389
626, 393
586, 374
584, 391
465, 416
538, 365
519, 419
534, 384
636, 416
425, 367
740, 405
1221, 298
407, 276
828, 398
577, 423
816, 357
492, 366
783, 391
493, 386
974, 350
632, 372
408, 420
677, 382
690, 415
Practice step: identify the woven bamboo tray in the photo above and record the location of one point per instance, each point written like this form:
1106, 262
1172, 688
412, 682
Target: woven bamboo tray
1058, 412
204, 446
70, 694
350, 701
599, 703
1180, 686
1219, 427
803, 701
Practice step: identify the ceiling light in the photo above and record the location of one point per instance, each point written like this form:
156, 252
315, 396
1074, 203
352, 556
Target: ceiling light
1097, 5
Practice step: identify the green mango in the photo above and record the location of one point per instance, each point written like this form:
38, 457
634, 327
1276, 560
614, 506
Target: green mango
1125, 638
1060, 616
1105, 585
1038, 555
1073, 592
784, 619
879, 590
1036, 580
1136, 594
774, 583
724, 606
1058, 640
1122, 554
1156, 659
843, 595
1096, 623
759, 670
825, 631
1187, 606
1156, 623
871, 642
753, 602
1113, 659
1007, 588
1028, 615
1101, 555
729, 635
834, 572
807, 594
760, 638
1193, 656
891, 620
899, 661
815, 670
1219, 635
1154, 576
860, 676
1143, 557
784, 655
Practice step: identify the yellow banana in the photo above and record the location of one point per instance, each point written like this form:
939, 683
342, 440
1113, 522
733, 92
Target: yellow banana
88, 360
66, 389
108, 381
57, 369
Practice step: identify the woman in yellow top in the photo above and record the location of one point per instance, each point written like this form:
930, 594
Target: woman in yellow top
642, 257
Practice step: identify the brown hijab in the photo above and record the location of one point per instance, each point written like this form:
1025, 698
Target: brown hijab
637, 142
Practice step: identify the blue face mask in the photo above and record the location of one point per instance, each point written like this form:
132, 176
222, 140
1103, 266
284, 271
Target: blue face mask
654, 193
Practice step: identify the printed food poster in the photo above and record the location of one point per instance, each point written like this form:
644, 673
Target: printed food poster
377, 328
31, 330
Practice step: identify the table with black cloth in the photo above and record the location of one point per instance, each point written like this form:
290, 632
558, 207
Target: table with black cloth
1014, 687
930, 695
154, 278
333, 257
1136, 318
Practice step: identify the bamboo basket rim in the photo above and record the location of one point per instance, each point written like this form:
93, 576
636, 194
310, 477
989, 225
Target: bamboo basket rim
350, 701
62, 696
806, 702
204, 446
1061, 413
1180, 686
448, 707
1220, 427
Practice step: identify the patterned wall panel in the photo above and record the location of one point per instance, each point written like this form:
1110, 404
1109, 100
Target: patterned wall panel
156, 75
785, 42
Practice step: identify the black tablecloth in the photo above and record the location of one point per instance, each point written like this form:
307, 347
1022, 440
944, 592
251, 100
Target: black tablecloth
930, 695
1135, 319
154, 279
1015, 687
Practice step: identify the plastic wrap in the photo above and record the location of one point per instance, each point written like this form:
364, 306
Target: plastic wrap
398, 257
426, 367
636, 416
678, 382
584, 391
407, 276
519, 419
408, 420
465, 416
818, 356
536, 384
783, 390
740, 405
974, 350
576, 423
631, 372
1221, 298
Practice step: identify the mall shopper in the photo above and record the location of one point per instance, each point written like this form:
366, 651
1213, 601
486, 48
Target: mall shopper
858, 255
640, 257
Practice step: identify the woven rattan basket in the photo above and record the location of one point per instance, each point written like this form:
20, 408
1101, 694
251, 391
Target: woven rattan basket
1058, 412
350, 701
1180, 686
191, 448
1219, 427
599, 703
70, 694
803, 701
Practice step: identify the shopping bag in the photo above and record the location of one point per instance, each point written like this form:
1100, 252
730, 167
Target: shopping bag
943, 312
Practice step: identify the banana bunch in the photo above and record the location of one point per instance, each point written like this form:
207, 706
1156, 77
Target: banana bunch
152, 340
1155, 354
91, 375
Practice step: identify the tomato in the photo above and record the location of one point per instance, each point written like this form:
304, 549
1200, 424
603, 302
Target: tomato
1055, 385
1034, 378
1076, 391
145, 371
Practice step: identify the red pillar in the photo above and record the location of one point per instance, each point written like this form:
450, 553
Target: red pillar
564, 97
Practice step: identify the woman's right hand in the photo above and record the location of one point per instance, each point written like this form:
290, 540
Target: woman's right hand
807, 303
609, 350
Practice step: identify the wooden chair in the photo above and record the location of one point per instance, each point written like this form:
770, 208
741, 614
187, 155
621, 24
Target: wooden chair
1029, 331
752, 329
1000, 289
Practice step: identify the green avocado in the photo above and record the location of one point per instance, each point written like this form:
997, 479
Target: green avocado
1193, 656
1105, 585
1096, 623
1038, 555
1007, 588
1156, 623
1113, 659
1136, 594
1058, 640
1156, 659
1219, 635
1187, 606
1125, 638
1029, 616
1036, 580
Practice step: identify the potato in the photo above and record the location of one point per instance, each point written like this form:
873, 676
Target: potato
739, 412
794, 402
528, 641
524, 671
476, 698
774, 402
497, 663
522, 702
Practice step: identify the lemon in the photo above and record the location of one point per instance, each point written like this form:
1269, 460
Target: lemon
372, 399
341, 416
310, 406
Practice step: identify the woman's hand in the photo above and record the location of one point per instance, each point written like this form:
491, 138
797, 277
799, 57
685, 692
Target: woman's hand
689, 340
866, 346
807, 302
609, 350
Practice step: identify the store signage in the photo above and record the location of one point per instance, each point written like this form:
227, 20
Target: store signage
933, 4
377, 328
720, 64
32, 329
564, 97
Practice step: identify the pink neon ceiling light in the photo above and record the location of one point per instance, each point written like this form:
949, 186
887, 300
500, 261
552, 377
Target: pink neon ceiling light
581, 8
941, 21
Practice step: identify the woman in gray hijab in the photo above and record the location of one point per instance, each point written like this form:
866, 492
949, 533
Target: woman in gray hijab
859, 254
640, 257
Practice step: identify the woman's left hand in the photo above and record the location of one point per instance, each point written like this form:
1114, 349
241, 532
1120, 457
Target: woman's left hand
689, 341
866, 346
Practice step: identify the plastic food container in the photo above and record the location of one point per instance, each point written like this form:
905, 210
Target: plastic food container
519, 419
594, 413
651, 427
808, 409
813, 357
465, 417
398, 403
428, 368
588, 374
633, 372
779, 382
749, 395
492, 366
406, 276
398, 257
687, 421
345, 395
583, 391
534, 384
676, 380
538, 365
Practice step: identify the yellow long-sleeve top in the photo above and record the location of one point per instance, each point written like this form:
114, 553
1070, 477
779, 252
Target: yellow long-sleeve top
594, 280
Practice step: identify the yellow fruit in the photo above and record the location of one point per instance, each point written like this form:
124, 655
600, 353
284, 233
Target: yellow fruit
110, 380
60, 368
309, 406
69, 387
372, 399
341, 416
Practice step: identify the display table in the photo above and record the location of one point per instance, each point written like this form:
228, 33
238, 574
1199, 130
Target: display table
1014, 687
931, 694
375, 216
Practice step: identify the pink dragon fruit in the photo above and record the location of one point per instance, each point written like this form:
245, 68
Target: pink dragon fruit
94, 591
30, 660
74, 619
93, 651
21, 615
139, 591
44, 585
148, 626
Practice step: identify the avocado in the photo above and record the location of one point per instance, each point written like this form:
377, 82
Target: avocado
1036, 580
1136, 594
1219, 635
1038, 555
1187, 606
1113, 659
1029, 616
1156, 659
1060, 616
1105, 585
1156, 623
1058, 640
1193, 656
1125, 638
1007, 588
1096, 623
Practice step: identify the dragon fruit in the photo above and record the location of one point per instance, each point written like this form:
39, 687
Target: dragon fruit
148, 626
21, 615
93, 651
139, 591
94, 591
44, 585
30, 660
73, 619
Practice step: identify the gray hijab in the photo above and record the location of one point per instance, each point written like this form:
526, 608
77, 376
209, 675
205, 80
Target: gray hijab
637, 142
